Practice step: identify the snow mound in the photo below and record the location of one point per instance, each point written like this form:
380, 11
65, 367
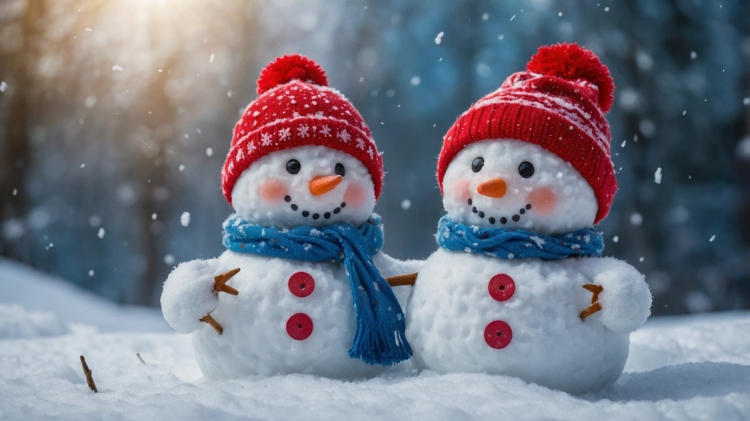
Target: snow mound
35, 292
15, 322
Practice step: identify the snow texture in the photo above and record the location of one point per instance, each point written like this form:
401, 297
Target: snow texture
191, 294
561, 200
16, 322
680, 368
36, 293
255, 339
451, 305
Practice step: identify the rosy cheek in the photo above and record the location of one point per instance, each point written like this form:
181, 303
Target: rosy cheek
542, 200
460, 190
272, 190
355, 195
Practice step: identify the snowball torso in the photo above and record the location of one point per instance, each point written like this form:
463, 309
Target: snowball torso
255, 338
453, 321
451, 307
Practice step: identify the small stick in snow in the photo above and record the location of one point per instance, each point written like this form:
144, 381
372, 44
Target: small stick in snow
214, 324
139, 357
220, 282
595, 306
89, 377
401, 280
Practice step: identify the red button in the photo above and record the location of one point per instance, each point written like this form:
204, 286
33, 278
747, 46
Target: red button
501, 287
299, 326
301, 284
498, 334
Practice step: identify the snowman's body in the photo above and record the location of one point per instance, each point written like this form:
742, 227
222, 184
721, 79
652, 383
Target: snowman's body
451, 312
514, 315
258, 337
289, 316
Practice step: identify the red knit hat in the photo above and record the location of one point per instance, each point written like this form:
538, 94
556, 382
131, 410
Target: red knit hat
559, 103
296, 108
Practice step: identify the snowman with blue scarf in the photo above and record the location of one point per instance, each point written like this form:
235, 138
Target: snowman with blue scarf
518, 286
300, 288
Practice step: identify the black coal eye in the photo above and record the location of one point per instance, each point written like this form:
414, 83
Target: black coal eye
340, 170
477, 165
293, 166
526, 169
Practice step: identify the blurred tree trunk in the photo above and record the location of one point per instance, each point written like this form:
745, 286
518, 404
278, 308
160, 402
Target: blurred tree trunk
16, 153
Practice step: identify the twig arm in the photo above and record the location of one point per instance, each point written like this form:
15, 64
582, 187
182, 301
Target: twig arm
595, 305
220, 282
401, 280
214, 324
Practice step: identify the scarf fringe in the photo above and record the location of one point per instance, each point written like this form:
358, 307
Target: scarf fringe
380, 343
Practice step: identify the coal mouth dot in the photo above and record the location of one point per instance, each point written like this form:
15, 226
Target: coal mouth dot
326, 215
503, 220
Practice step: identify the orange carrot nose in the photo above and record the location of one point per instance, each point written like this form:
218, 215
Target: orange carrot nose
492, 188
324, 183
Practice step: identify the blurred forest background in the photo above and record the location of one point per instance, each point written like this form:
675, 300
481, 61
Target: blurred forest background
116, 116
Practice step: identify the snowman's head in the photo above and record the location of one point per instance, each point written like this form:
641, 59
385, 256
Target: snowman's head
513, 184
301, 153
535, 153
306, 185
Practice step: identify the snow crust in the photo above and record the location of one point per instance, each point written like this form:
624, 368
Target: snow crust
680, 368
561, 200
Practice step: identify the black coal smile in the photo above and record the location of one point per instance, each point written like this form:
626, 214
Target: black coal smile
503, 220
326, 215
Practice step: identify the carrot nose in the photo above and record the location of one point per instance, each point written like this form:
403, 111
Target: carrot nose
324, 183
492, 188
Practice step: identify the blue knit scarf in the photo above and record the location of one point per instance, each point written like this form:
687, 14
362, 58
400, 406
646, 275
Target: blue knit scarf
512, 243
380, 337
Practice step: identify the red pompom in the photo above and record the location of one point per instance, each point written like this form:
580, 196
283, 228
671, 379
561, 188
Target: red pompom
287, 68
569, 61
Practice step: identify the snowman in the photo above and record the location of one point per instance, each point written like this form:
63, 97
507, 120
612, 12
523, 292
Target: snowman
518, 286
300, 288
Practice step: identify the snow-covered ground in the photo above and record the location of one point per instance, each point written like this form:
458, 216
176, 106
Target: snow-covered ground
695, 367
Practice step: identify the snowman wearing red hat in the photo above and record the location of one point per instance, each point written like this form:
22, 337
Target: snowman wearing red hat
518, 286
300, 288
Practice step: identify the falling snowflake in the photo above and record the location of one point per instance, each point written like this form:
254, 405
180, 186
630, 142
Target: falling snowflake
302, 131
185, 219
344, 136
360, 144
265, 139
325, 131
285, 134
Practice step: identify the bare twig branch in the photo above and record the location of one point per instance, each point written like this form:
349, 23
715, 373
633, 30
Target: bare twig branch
401, 280
89, 377
140, 358
595, 305
214, 324
220, 282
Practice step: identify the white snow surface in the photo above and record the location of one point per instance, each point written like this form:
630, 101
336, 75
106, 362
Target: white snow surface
680, 368
38, 294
